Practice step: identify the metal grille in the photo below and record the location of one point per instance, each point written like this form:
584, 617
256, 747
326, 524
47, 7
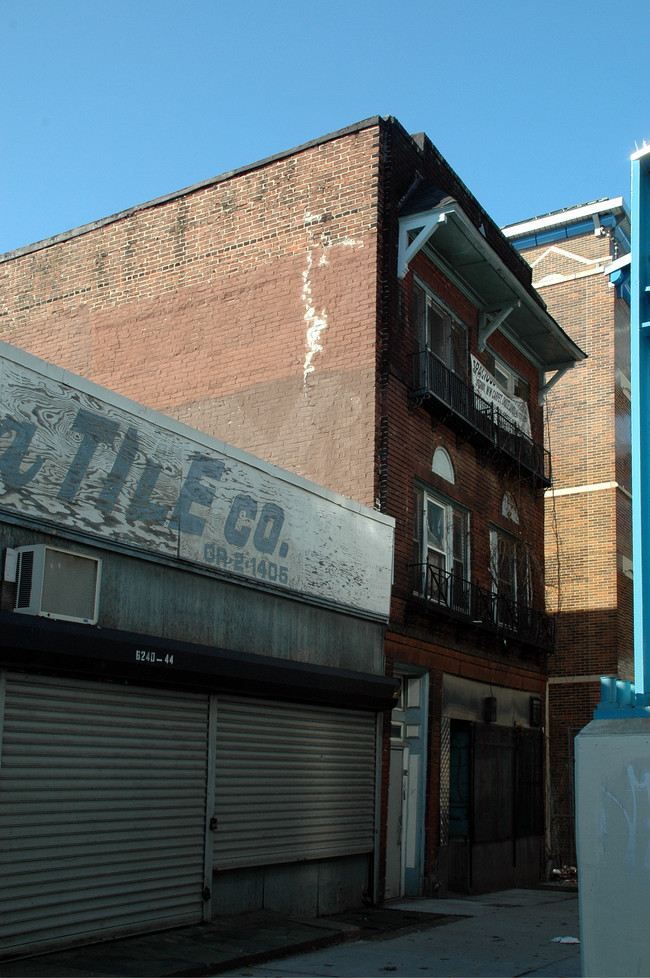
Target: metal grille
26, 566
292, 782
433, 379
102, 810
445, 754
458, 598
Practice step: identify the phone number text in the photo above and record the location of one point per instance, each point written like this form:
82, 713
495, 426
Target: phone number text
266, 570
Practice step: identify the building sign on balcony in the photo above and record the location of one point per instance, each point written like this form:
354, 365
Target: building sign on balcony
75, 455
512, 408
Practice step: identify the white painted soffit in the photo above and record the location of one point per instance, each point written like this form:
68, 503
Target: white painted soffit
450, 237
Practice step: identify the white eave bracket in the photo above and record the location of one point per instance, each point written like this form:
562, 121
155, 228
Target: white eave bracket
544, 388
488, 325
428, 224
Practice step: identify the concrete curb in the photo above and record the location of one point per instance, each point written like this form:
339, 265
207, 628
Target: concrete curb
330, 935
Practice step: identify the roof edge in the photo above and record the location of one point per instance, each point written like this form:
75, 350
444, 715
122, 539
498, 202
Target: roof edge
82, 229
569, 215
574, 354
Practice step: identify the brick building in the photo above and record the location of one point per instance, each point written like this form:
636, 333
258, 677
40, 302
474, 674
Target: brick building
347, 310
580, 259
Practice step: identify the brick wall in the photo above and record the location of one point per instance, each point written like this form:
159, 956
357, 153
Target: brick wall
410, 434
417, 635
264, 309
241, 308
588, 424
414, 435
588, 517
566, 704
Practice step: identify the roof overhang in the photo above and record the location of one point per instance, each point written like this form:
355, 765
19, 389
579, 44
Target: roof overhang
461, 250
570, 215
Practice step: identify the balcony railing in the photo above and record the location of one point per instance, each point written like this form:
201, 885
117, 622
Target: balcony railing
432, 379
458, 598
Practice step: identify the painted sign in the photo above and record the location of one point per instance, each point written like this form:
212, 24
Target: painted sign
514, 409
76, 455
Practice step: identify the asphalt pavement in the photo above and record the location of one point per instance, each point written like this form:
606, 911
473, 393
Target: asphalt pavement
505, 934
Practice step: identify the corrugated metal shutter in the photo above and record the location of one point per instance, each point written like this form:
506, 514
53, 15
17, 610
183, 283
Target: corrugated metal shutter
293, 782
102, 810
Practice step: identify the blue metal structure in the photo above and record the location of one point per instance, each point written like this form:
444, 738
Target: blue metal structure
618, 698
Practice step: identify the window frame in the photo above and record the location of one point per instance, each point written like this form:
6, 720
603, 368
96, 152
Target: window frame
453, 352
513, 383
454, 551
518, 587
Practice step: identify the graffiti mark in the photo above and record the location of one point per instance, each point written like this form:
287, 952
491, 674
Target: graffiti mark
635, 809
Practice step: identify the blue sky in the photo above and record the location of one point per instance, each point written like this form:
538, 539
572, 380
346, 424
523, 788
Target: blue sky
537, 106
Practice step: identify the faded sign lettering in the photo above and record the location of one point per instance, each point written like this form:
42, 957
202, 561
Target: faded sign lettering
71, 458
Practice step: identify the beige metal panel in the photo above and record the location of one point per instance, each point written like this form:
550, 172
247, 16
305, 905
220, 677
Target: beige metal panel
293, 782
102, 810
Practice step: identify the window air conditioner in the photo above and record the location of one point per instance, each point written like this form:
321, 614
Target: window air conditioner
57, 584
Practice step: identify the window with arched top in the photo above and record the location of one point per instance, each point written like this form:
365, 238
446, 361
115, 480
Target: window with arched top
442, 466
509, 509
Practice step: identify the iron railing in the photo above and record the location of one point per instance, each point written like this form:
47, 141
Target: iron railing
433, 379
469, 601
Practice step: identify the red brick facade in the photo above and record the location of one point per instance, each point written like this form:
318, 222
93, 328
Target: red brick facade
264, 308
201, 307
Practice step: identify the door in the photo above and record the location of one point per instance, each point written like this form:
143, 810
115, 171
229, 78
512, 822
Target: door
294, 782
406, 794
397, 794
103, 796
460, 802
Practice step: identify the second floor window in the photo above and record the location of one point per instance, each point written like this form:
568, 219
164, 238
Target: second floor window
439, 333
440, 550
511, 574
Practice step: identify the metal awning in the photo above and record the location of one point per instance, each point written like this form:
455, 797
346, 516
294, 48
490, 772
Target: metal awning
461, 249
34, 643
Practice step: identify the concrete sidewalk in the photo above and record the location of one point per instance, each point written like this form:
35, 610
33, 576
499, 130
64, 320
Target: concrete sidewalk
467, 936
500, 935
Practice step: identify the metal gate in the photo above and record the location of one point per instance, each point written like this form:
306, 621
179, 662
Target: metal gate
102, 810
292, 782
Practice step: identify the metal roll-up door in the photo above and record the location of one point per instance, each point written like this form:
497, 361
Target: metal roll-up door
102, 810
292, 782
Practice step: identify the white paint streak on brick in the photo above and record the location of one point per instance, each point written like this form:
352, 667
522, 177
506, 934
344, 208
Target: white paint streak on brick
315, 323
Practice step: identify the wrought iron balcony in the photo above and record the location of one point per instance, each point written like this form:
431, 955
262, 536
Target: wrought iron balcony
458, 598
433, 380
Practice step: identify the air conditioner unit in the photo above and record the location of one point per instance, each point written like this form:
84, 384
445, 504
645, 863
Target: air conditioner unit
57, 584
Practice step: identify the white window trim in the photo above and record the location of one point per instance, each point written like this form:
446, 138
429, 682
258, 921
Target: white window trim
442, 465
450, 506
445, 312
512, 376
